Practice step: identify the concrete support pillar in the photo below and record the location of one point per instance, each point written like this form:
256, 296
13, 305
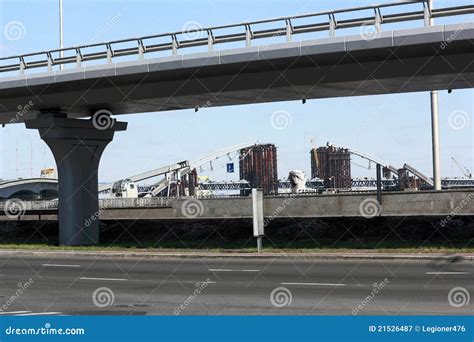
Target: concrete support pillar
77, 146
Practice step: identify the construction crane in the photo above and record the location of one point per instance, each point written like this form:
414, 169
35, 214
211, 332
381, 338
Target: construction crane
464, 170
177, 174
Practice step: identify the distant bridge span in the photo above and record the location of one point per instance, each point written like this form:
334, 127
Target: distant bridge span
29, 188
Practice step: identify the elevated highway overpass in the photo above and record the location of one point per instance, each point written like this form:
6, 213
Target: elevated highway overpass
397, 61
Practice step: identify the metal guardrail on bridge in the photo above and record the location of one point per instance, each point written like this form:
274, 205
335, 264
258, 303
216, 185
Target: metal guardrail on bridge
210, 36
17, 206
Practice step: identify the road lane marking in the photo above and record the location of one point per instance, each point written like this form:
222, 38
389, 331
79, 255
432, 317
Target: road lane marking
106, 279
220, 270
447, 273
12, 312
59, 265
230, 270
314, 284
39, 314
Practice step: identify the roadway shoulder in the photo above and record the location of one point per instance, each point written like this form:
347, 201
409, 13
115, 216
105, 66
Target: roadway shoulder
236, 255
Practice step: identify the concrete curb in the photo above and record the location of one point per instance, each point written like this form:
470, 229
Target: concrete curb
234, 255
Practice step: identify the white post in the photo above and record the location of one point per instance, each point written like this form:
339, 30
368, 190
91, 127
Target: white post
257, 214
434, 124
61, 53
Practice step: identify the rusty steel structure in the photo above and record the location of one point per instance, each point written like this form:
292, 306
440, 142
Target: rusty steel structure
258, 166
332, 165
406, 181
189, 182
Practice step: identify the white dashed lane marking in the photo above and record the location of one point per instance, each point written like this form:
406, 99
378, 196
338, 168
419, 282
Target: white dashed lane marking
104, 279
58, 265
12, 312
313, 284
39, 313
230, 270
446, 273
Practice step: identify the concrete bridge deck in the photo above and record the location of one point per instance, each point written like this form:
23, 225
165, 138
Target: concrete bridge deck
407, 60
422, 203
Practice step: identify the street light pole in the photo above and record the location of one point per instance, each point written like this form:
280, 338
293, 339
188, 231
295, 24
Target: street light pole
61, 53
435, 124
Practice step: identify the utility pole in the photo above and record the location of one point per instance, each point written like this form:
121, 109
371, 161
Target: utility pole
434, 119
61, 53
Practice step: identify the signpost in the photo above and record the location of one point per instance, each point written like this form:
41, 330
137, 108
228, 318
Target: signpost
230, 167
257, 214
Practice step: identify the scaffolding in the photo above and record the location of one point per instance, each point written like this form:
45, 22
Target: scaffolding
332, 165
258, 166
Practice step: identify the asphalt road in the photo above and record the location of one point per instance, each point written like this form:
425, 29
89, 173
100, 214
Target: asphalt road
189, 286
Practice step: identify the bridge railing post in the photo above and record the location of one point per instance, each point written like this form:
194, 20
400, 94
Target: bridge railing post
210, 40
248, 36
289, 30
22, 66
427, 13
78, 58
332, 25
174, 45
378, 19
109, 53
50, 61
141, 49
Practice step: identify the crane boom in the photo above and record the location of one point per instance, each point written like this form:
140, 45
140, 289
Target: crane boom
464, 170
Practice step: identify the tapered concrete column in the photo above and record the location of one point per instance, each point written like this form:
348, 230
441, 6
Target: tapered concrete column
77, 146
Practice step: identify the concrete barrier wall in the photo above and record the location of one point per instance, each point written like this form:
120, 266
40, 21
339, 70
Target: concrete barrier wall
426, 203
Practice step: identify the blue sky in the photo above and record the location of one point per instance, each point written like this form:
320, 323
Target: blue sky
395, 128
